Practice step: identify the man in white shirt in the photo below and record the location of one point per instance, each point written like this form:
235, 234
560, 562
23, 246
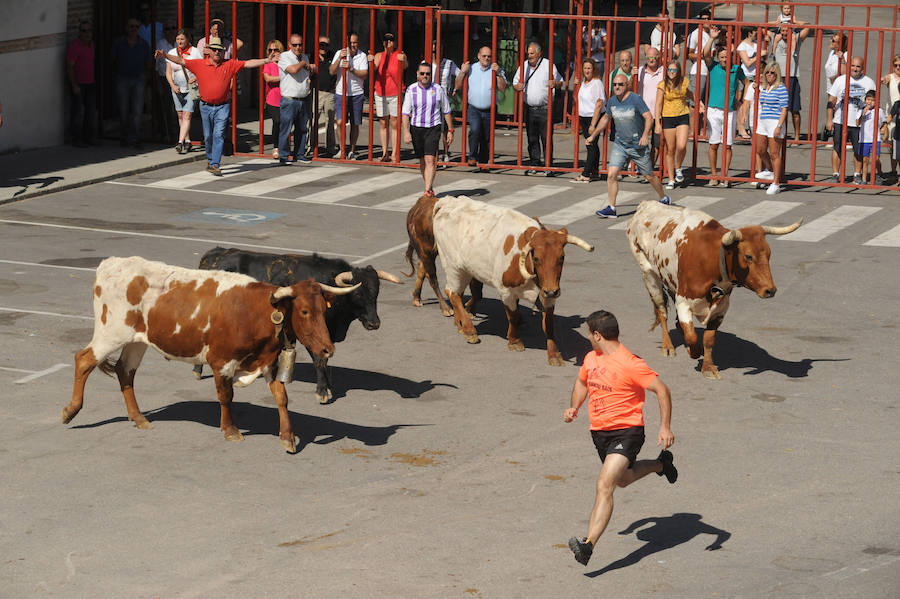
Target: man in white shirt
533, 78
648, 79
444, 77
837, 96
296, 100
656, 39
694, 49
352, 62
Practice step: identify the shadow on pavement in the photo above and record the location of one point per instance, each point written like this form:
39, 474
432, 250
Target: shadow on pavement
346, 379
665, 533
253, 419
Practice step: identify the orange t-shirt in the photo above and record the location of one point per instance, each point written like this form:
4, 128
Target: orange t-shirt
615, 387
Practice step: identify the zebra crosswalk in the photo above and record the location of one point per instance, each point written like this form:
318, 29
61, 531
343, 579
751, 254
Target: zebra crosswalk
556, 204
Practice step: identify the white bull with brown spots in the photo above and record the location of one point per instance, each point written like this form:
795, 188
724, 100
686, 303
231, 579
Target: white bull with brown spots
690, 256
503, 248
230, 321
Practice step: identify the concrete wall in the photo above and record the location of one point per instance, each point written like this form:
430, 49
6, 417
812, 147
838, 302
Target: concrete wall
32, 63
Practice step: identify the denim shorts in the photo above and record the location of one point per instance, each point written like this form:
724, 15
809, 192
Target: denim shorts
183, 105
620, 155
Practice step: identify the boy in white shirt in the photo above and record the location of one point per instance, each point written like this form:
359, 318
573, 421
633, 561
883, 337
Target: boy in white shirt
867, 139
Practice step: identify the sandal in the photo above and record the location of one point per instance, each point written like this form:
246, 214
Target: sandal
582, 179
385, 159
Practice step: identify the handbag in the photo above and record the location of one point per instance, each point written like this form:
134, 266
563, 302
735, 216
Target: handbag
194, 91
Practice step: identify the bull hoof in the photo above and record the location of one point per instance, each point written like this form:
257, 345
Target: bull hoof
68, 414
417, 302
325, 398
289, 443
515, 346
693, 353
447, 312
233, 435
142, 423
712, 373
198, 372
473, 338
668, 351
555, 360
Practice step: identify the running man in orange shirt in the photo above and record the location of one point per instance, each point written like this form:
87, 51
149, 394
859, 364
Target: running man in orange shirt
614, 380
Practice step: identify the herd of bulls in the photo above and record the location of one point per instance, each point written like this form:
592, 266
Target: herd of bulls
242, 312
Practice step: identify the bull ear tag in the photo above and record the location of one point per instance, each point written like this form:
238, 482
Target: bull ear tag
277, 317
327, 304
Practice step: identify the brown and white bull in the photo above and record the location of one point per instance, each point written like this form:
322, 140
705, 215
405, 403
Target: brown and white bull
690, 256
230, 321
503, 248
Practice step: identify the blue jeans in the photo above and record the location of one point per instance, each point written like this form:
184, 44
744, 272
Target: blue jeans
130, 93
479, 122
296, 114
214, 119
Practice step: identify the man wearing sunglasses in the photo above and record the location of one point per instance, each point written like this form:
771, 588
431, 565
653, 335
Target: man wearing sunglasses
424, 104
634, 124
296, 100
214, 77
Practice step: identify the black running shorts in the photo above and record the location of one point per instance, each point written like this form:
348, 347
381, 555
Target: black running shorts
626, 441
425, 140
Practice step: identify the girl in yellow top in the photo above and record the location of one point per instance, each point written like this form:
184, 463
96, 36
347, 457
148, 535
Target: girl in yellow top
673, 119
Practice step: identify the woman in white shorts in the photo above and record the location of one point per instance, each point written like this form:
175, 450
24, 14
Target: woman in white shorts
388, 67
747, 53
770, 126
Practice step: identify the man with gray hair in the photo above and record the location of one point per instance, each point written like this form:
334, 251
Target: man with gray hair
533, 78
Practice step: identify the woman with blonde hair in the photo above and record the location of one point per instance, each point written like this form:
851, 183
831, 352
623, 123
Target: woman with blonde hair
770, 126
184, 88
591, 96
892, 81
673, 119
273, 91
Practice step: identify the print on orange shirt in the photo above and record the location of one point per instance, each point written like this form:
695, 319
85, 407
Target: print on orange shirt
615, 387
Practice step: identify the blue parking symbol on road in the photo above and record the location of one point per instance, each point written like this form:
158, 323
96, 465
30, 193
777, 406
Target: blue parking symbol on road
231, 216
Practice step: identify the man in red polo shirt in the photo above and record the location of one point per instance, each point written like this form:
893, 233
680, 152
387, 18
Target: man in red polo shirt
614, 380
214, 76
80, 71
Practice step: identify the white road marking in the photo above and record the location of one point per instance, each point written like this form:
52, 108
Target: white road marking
192, 239
42, 313
299, 175
40, 373
758, 213
201, 177
529, 195
862, 567
406, 202
8, 369
584, 208
890, 238
368, 185
696, 202
367, 259
46, 265
831, 223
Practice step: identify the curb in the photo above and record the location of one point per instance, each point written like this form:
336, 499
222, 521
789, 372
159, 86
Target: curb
76, 184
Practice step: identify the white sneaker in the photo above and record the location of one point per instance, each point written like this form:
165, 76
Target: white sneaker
679, 176
773, 189
670, 184
767, 175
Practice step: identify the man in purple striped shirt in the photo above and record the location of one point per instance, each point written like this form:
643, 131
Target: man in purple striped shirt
423, 105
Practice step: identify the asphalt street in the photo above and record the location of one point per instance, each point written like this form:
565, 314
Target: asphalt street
444, 469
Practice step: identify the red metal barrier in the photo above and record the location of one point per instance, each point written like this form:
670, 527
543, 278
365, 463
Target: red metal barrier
366, 17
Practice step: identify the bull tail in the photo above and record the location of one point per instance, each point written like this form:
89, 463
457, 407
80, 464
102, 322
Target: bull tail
410, 249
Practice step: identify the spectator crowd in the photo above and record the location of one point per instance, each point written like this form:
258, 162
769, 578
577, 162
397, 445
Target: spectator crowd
719, 82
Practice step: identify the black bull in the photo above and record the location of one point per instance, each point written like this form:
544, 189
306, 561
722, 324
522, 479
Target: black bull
288, 269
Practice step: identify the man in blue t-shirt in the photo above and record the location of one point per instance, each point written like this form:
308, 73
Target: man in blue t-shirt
634, 123
715, 111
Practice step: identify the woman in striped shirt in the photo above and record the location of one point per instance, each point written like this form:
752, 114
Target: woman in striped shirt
773, 103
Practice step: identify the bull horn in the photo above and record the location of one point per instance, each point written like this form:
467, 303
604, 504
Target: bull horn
782, 230
386, 276
522, 269
731, 236
282, 292
579, 242
343, 279
340, 290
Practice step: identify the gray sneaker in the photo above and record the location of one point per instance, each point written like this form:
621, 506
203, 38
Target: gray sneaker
582, 549
857, 180
835, 178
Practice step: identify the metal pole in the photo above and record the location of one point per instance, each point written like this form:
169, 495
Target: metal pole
315, 107
465, 90
398, 138
551, 87
496, 56
371, 78
521, 102
344, 102
874, 159
234, 79
262, 80
845, 108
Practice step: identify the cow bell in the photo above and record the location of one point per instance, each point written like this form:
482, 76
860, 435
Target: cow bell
286, 365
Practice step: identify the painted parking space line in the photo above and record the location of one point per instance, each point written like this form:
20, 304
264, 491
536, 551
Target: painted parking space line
458, 188
174, 237
839, 218
366, 259
528, 195
303, 174
758, 213
890, 238
44, 313
19, 263
201, 177
352, 190
40, 373
696, 202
